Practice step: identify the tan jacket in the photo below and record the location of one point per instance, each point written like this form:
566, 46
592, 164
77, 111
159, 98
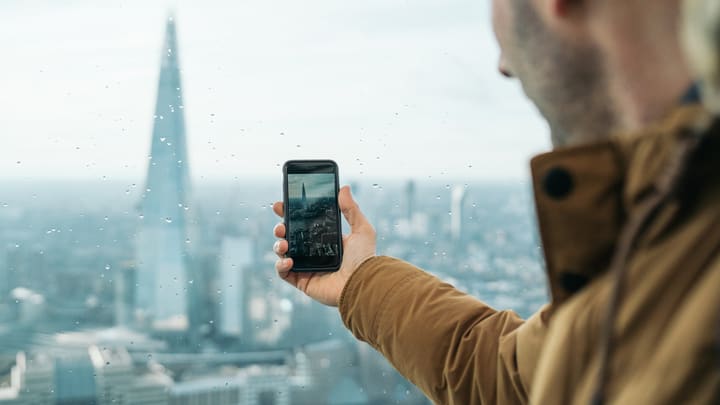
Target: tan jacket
665, 332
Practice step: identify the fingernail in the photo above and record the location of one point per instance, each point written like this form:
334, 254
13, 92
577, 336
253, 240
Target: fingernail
286, 261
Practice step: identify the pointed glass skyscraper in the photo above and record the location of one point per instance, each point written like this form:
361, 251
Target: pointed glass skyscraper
161, 298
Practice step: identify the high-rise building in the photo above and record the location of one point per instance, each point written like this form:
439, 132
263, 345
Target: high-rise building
304, 197
410, 200
457, 203
161, 298
235, 256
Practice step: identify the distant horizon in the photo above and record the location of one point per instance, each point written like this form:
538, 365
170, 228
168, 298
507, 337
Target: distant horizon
273, 180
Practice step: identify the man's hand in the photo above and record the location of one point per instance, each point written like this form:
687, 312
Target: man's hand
358, 246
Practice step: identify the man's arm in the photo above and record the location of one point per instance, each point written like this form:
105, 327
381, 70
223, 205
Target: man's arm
452, 346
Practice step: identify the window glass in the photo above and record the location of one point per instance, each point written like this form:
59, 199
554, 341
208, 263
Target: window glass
141, 148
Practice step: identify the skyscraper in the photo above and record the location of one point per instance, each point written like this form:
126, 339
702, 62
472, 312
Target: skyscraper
457, 203
304, 197
410, 200
236, 254
161, 298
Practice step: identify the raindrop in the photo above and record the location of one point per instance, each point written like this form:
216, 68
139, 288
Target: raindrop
162, 139
168, 220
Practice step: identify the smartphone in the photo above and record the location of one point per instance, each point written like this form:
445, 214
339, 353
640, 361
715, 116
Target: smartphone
312, 215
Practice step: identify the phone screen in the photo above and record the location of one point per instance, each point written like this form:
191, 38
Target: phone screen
312, 219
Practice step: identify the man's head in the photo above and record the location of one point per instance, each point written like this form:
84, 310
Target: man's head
592, 67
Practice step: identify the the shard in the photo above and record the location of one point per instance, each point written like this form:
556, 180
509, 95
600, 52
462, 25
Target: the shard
162, 260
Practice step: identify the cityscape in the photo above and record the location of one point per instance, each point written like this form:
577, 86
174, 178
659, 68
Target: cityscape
164, 292
312, 224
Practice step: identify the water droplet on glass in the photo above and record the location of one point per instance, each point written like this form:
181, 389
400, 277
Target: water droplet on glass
168, 220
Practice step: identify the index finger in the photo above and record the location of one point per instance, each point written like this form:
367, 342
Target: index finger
278, 209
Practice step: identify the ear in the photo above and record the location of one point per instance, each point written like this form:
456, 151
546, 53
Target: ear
559, 8
568, 16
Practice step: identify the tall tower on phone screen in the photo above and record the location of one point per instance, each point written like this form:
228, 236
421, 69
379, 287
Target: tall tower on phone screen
304, 197
161, 300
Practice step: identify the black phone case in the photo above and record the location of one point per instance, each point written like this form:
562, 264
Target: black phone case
339, 221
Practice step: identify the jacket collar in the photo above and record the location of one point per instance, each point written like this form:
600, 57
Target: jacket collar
583, 195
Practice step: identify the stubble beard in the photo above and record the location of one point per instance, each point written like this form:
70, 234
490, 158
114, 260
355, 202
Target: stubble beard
565, 81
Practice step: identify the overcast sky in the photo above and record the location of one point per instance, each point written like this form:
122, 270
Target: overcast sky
387, 88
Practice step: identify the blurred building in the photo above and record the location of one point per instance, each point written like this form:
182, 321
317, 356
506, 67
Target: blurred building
457, 202
162, 260
236, 254
409, 200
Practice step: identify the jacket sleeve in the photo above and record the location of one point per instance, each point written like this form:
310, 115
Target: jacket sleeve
453, 347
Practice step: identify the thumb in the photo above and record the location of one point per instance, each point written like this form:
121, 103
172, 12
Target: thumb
351, 210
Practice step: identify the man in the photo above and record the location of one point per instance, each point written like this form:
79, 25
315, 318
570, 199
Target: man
628, 208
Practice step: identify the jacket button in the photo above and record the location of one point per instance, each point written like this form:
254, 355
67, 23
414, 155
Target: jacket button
572, 282
558, 183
